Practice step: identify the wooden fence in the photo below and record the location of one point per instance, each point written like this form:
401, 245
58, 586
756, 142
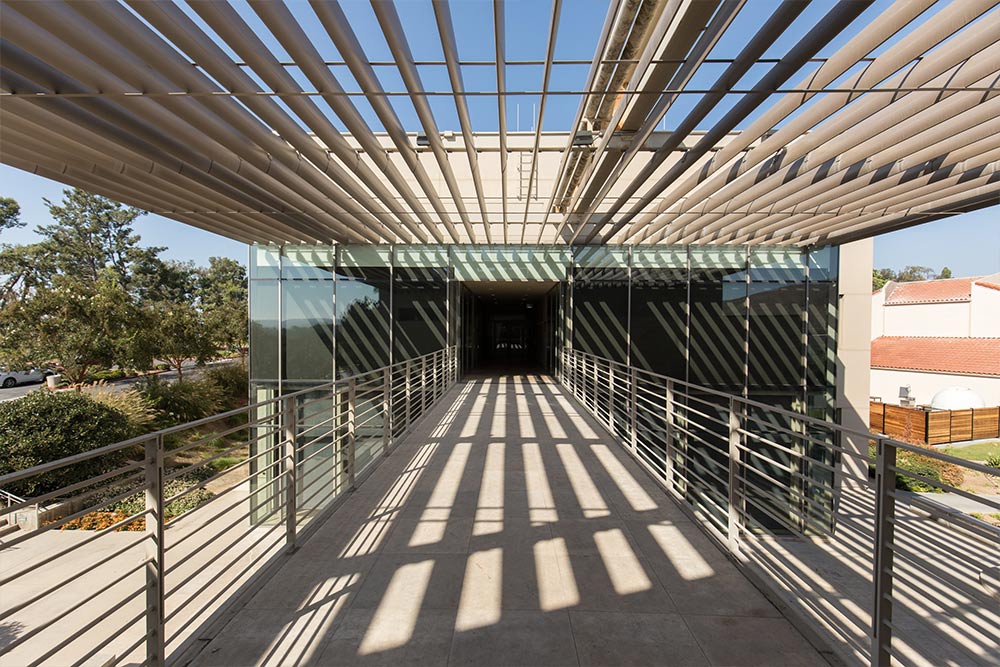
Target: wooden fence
934, 427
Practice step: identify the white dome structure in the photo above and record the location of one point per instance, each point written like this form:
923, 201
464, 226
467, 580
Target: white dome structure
957, 398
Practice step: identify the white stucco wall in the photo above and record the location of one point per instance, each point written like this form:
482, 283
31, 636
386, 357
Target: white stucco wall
927, 319
878, 319
985, 315
854, 324
885, 384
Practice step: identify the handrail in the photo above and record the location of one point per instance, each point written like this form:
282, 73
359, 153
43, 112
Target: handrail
140, 439
295, 465
762, 486
11, 499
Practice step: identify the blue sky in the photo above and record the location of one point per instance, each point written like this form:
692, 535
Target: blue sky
968, 244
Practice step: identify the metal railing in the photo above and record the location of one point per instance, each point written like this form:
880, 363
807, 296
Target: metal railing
878, 547
174, 526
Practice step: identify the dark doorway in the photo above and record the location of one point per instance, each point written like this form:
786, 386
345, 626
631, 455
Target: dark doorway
509, 327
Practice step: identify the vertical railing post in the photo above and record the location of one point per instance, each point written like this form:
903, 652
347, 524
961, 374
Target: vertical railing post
611, 397
155, 613
633, 409
423, 385
596, 383
668, 436
885, 509
291, 427
386, 410
733, 533
407, 394
352, 404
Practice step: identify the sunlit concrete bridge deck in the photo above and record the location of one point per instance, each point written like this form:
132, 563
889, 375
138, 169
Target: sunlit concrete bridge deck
508, 529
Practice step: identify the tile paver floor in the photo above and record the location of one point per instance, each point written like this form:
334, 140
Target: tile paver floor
508, 529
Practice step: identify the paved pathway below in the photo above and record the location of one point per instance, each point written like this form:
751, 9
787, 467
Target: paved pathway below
509, 529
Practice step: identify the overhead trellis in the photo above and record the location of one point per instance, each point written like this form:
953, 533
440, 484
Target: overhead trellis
708, 122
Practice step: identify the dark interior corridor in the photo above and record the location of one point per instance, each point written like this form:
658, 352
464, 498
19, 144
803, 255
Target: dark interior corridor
509, 327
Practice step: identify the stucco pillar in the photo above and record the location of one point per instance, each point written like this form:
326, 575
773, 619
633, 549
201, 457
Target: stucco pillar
854, 347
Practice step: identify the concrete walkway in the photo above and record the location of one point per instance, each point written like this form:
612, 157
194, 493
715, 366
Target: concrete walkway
508, 529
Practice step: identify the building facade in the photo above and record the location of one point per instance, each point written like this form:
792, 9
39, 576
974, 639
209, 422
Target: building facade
932, 335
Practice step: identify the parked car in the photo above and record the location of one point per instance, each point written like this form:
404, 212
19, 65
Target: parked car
9, 379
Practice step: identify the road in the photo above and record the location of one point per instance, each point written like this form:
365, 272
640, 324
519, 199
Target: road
189, 368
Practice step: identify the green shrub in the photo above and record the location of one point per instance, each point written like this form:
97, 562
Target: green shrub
137, 502
181, 402
45, 426
232, 380
993, 460
933, 469
220, 464
162, 367
108, 375
131, 402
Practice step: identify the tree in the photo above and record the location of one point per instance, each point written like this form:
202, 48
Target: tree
10, 214
945, 274
24, 268
84, 326
911, 274
180, 333
222, 293
91, 233
880, 277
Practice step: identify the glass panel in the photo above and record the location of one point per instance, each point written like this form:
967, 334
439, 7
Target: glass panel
777, 265
600, 311
601, 257
824, 263
422, 256
367, 255
363, 296
420, 307
264, 261
307, 261
659, 319
776, 335
509, 263
821, 366
264, 322
308, 330
718, 317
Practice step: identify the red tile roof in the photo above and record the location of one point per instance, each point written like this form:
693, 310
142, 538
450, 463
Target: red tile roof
972, 356
989, 283
930, 291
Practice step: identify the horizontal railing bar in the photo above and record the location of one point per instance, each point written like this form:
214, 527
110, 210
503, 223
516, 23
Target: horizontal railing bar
59, 554
69, 579
38, 500
941, 485
138, 440
69, 610
110, 634
194, 596
169, 567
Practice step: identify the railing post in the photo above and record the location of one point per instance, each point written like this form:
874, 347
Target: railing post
668, 436
407, 394
733, 533
596, 375
611, 397
155, 613
352, 400
386, 411
885, 509
291, 428
423, 385
633, 409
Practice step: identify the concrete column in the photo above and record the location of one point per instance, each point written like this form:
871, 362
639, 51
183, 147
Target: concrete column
854, 322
